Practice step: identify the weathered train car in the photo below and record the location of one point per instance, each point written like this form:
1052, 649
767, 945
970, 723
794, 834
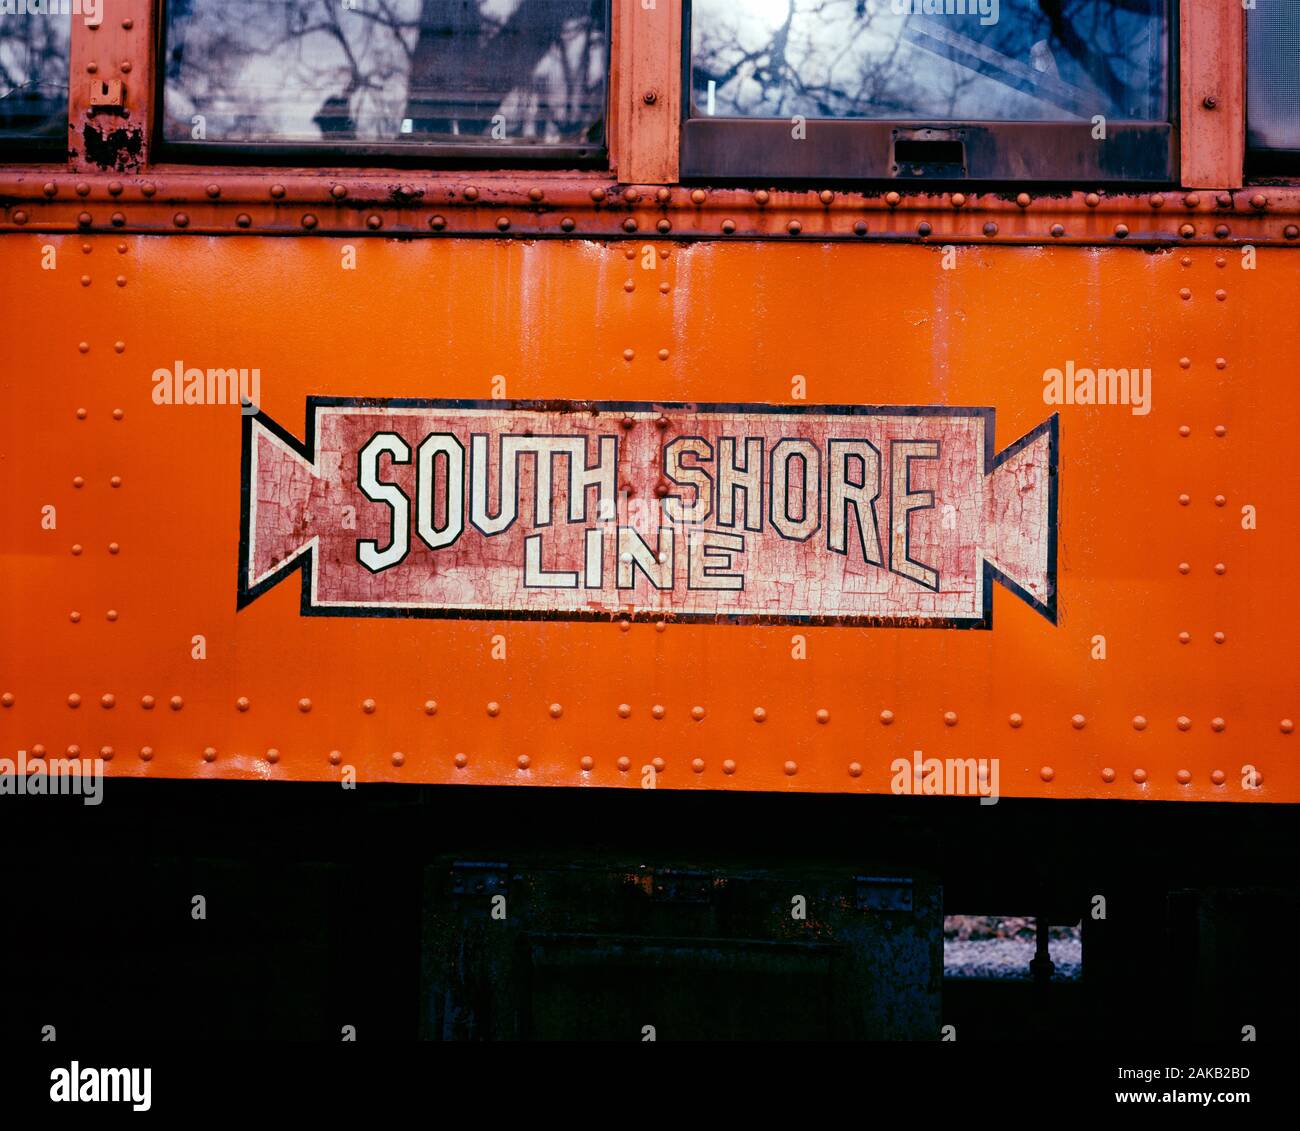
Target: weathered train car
648, 399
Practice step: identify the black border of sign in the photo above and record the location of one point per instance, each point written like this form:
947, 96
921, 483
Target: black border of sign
305, 561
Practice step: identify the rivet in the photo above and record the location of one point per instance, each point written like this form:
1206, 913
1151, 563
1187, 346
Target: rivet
115, 481
120, 280
697, 764
664, 226
535, 195
117, 219
1078, 722
1187, 231
826, 196
74, 700
149, 188
629, 354
86, 248
1184, 567
471, 193
657, 711
83, 347
892, 199
1222, 231
658, 764
273, 755
84, 219
241, 704
1221, 363
1291, 231
106, 752
1220, 568
556, 710
461, 760
243, 220
823, 716
121, 249
1183, 776
398, 758
1286, 726
1218, 777
1107, 774
1223, 200
886, 717
923, 229
958, 199
117, 412
1057, 231
728, 766
794, 227
697, 713
176, 703
629, 286
437, 223
146, 753
107, 701
1139, 722
214, 191
567, 224
78, 481
1022, 199
83, 189
1219, 638
759, 714
209, 754
494, 709
1092, 200
1220, 430
1184, 723
374, 221
1184, 500
308, 221
430, 706
1258, 201
1121, 230
629, 225
1221, 295
663, 195
181, 220
1157, 200
523, 761
1047, 773
855, 769
790, 768
624, 710
76, 549
49, 188
664, 288
1184, 638
761, 197
950, 718
624, 763
503, 223
728, 226
990, 229
1217, 724
663, 355
74, 617
1016, 720
1184, 430
1139, 776
586, 762
631, 195
597, 194
147, 702
338, 192
1186, 261
368, 706
128, 24
20, 217
624, 626
1191, 200
1185, 294
1185, 362
860, 228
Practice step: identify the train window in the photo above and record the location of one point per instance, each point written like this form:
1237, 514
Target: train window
1273, 86
388, 75
984, 89
34, 79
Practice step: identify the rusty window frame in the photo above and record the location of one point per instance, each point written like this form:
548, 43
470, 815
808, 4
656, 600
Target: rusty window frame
743, 150
396, 155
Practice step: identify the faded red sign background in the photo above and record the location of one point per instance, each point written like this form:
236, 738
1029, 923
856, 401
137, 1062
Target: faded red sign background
836, 514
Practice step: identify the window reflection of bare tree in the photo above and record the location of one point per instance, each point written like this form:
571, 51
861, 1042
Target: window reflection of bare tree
378, 68
33, 76
860, 58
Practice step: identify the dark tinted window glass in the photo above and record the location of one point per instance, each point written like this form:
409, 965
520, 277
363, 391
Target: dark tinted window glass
386, 71
964, 60
33, 75
1273, 75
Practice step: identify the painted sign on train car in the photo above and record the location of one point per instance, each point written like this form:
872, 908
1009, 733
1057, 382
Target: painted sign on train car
840, 514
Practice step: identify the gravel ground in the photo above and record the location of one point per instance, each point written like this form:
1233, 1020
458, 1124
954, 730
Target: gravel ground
1009, 958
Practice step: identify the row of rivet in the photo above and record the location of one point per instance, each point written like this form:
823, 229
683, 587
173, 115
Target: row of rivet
587, 763
374, 221
657, 711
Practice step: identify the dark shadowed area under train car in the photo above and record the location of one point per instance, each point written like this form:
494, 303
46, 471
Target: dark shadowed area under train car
466, 913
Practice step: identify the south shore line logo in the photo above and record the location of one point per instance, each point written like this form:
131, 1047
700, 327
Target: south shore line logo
892, 516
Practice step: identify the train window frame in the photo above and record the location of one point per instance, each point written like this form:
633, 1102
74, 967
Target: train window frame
741, 151
1262, 162
435, 155
52, 149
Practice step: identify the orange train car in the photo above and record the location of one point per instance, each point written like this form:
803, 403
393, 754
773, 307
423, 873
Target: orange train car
646, 400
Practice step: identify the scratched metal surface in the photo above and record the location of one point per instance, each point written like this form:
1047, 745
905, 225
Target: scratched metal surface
1174, 711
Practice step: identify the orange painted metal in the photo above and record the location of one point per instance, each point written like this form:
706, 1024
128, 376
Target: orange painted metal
1198, 677
1212, 93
